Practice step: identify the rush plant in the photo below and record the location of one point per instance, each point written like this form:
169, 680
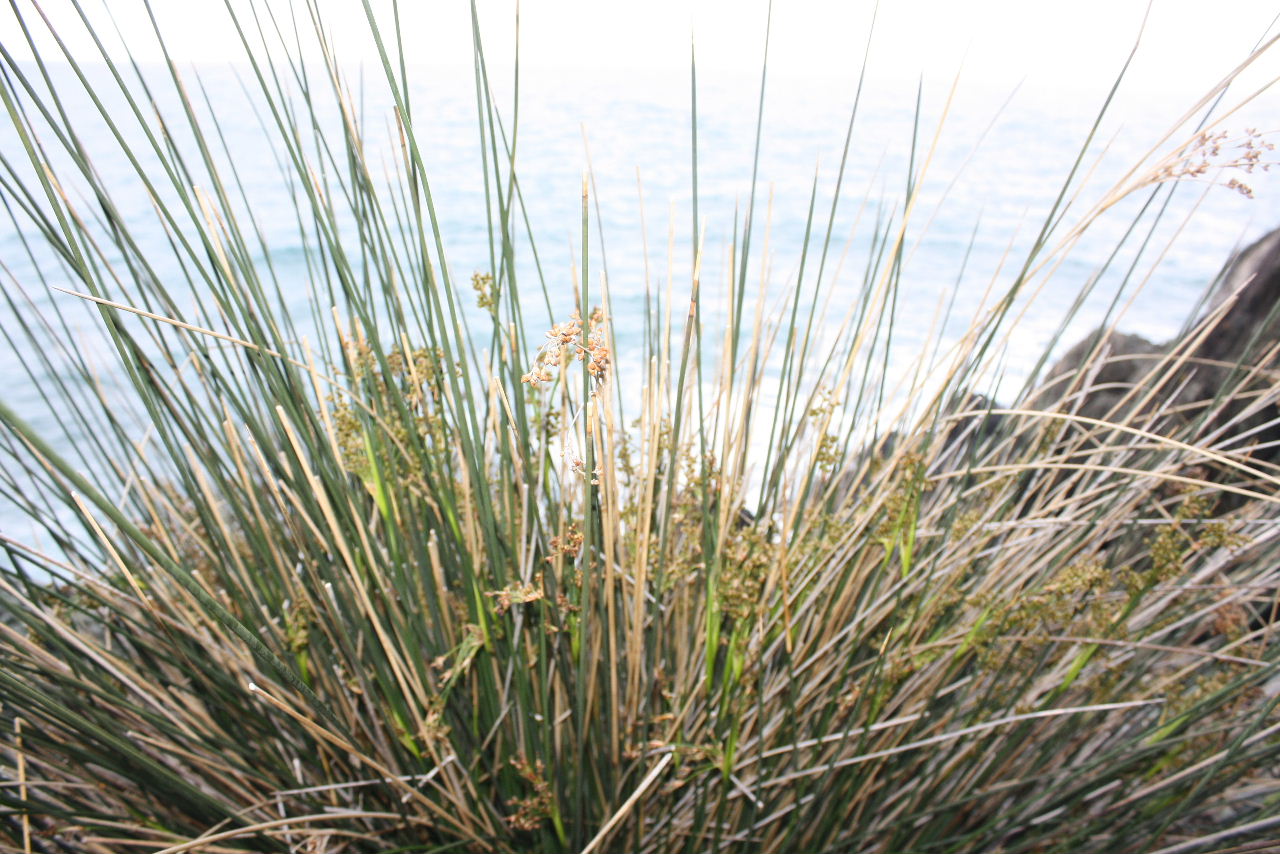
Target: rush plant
403, 570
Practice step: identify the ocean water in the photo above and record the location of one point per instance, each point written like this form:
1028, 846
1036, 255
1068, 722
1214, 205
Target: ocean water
995, 164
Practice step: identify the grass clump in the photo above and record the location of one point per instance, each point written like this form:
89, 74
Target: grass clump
425, 578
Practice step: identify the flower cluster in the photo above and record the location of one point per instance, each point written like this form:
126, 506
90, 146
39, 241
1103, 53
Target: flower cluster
533, 809
566, 546
1206, 152
597, 353
517, 593
486, 293
564, 340
408, 382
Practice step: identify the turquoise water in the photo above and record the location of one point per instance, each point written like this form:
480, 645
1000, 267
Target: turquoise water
991, 180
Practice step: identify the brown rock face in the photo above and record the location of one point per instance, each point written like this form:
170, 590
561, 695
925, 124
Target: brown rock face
1217, 375
1251, 325
1116, 363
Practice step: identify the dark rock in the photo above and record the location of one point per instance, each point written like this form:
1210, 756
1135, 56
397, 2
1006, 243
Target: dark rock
1112, 365
1207, 377
1200, 386
1252, 323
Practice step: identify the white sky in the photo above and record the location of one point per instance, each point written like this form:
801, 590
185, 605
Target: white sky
1078, 44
